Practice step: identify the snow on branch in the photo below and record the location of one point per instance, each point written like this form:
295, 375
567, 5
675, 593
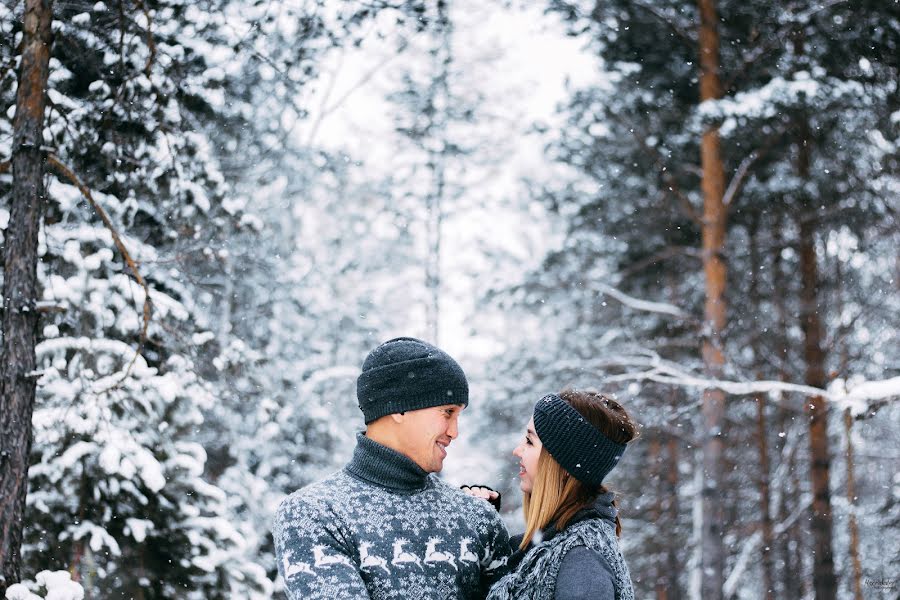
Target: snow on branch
872, 390
747, 550
644, 305
57, 585
659, 370
56, 164
322, 375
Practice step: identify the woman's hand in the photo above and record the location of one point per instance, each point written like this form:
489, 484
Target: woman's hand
484, 492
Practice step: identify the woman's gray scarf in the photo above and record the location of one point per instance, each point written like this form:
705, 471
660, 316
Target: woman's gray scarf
535, 577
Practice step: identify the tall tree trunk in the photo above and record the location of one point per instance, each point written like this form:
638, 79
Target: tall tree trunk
824, 579
714, 218
851, 464
789, 540
764, 504
761, 429
800, 586
784, 505
851, 501
433, 261
654, 461
673, 552
20, 317
669, 563
437, 156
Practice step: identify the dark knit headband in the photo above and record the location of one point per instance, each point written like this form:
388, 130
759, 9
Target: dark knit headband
578, 446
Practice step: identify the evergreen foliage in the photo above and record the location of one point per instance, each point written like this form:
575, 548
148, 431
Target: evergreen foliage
274, 263
631, 218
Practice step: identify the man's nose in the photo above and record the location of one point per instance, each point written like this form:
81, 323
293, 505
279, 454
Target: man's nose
453, 429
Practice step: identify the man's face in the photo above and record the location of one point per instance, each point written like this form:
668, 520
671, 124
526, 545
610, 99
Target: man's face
425, 434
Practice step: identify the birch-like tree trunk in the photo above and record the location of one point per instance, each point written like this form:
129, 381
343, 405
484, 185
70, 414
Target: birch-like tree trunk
851, 502
20, 289
439, 101
789, 494
851, 463
713, 227
761, 432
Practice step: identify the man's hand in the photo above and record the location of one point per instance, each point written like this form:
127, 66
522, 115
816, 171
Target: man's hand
485, 493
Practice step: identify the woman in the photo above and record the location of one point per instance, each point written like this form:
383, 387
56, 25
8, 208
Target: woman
570, 549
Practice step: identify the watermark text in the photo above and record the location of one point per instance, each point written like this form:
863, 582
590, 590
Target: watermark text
881, 584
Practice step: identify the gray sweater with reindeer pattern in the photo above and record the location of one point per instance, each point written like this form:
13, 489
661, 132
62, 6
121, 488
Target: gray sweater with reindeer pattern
382, 528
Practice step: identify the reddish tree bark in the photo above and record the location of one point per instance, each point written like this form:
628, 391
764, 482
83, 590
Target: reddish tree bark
20, 317
654, 461
673, 552
713, 233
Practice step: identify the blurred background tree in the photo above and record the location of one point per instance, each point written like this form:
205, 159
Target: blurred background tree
297, 182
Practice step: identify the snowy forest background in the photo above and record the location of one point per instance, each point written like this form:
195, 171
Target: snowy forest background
298, 180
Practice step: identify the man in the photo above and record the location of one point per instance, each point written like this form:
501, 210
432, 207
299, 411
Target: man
385, 527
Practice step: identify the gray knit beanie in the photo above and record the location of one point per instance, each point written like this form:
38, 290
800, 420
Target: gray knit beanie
577, 445
408, 374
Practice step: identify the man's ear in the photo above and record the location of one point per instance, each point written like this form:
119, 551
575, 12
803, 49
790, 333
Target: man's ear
398, 417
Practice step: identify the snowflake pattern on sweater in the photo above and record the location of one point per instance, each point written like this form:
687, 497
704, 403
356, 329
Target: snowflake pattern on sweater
383, 529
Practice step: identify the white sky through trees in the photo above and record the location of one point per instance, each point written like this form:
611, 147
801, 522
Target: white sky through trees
520, 60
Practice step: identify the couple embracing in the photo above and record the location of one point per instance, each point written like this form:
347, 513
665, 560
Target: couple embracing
385, 527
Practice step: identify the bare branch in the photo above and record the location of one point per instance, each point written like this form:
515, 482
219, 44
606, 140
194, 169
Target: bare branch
5, 167
672, 186
121, 37
749, 548
348, 372
325, 111
643, 305
679, 31
740, 174
773, 43
791, 19
664, 254
819, 7
151, 44
55, 163
737, 180
9, 64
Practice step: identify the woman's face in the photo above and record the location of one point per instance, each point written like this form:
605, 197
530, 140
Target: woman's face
528, 451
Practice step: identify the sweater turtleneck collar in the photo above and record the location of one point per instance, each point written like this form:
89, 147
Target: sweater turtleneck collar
385, 467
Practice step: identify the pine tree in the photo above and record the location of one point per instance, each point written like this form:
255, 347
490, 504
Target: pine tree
632, 214
20, 318
118, 478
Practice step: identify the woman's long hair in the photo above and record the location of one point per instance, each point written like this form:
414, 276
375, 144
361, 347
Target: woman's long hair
556, 496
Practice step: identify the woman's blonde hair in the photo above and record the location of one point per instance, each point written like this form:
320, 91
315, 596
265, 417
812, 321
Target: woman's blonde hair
556, 496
